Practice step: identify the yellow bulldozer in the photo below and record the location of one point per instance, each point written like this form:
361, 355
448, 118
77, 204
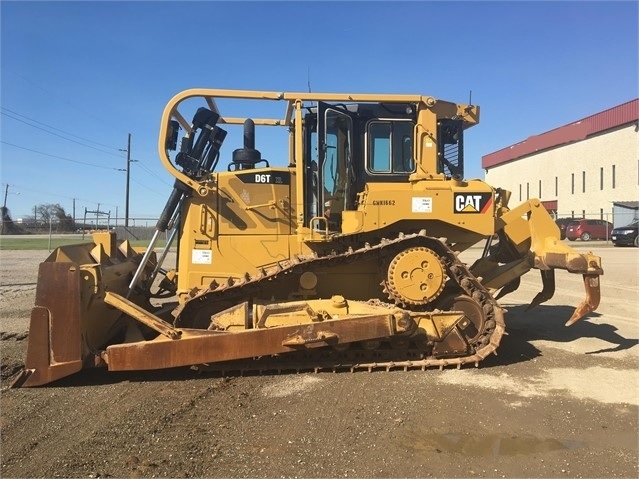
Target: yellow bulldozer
346, 258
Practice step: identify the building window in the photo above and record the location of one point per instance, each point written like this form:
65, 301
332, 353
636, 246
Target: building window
613, 176
519, 191
583, 213
572, 183
583, 181
601, 213
601, 178
539, 188
527, 191
556, 186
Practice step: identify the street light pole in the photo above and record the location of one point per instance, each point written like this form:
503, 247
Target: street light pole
6, 193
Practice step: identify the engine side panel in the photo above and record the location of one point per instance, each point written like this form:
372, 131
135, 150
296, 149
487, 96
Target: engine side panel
461, 211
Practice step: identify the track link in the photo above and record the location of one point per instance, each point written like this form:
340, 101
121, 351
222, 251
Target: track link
242, 289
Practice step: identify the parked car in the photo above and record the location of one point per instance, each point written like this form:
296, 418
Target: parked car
563, 223
626, 235
585, 230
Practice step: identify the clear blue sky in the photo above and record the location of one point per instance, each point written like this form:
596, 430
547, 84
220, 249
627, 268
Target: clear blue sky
98, 71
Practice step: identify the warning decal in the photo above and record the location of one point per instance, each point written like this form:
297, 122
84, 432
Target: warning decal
422, 205
201, 256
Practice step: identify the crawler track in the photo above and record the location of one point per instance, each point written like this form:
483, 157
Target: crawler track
388, 356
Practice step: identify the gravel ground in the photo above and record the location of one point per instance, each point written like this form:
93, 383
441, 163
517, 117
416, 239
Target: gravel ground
555, 402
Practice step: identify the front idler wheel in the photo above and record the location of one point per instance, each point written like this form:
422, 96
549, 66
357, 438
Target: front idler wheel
474, 313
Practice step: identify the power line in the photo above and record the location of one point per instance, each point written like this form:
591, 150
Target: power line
42, 192
151, 172
62, 157
141, 164
52, 128
60, 136
63, 99
57, 195
146, 187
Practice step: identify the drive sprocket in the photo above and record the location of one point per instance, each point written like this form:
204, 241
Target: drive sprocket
415, 276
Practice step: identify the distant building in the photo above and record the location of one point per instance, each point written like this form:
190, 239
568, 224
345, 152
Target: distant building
579, 170
625, 212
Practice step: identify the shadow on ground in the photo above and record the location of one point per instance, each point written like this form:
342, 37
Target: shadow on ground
547, 323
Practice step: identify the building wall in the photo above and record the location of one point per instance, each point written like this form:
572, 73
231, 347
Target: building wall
624, 216
609, 162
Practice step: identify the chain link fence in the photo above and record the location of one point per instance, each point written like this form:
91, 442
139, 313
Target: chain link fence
138, 229
619, 216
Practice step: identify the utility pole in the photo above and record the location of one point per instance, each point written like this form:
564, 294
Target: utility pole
98, 214
4, 208
128, 178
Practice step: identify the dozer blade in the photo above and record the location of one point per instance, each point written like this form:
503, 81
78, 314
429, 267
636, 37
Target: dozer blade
70, 321
54, 349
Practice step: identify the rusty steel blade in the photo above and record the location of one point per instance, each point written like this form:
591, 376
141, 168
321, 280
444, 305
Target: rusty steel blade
202, 347
54, 349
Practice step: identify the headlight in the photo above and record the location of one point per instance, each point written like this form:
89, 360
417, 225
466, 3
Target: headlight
624, 232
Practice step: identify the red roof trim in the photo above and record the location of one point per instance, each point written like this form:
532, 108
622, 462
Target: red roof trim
579, 130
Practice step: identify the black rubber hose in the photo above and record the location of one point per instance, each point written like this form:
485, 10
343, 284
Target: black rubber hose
179, 190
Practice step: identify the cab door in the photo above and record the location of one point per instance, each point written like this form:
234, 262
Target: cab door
335, 174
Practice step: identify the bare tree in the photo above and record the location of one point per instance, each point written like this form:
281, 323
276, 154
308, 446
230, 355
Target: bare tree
55, 214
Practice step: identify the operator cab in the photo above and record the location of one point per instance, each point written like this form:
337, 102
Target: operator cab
347, 146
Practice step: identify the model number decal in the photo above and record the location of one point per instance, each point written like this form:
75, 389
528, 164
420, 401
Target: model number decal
274, 178
383, 202
472, 202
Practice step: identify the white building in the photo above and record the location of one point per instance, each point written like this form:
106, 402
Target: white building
578, 170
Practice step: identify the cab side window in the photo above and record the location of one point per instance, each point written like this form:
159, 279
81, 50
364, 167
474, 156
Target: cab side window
390, 147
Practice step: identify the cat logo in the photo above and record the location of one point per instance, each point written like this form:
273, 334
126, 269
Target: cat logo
472, 202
